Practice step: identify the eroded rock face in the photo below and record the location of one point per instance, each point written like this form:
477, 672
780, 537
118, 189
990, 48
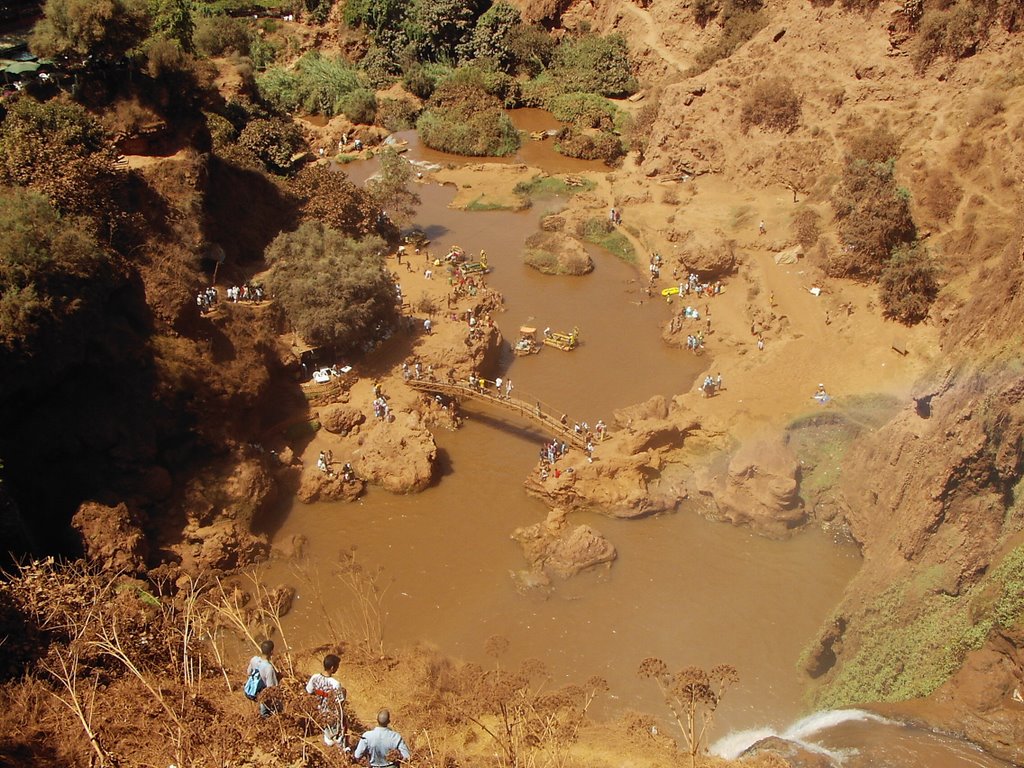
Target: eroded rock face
759, 488
315, 485
552, 546
555, 253
111, 537
792, 754
340, 419
711, 256
397, 455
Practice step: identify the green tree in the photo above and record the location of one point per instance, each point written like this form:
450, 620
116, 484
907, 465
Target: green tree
335, 291
595, 64
57, 148
390, 188
102, 29
441, 30
495, 35
330, 198
464, 118
50, 269
273, 142
173, 19
908, 284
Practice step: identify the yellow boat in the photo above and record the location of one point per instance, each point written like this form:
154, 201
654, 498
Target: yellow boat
563, 341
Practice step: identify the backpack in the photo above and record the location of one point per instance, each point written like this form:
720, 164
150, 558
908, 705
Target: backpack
253, 685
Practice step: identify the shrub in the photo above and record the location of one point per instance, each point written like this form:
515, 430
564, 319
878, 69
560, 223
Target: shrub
533, 49
590, 145
317, 85
273, 142
771, 104
334, 290
418, 81
494, 37
704, 11
953, 33
330, 198
217, 35
584, 110
463, 118
594, 64
397, 114
806, 228
262, 52
599, 230
360, 106
737, 28
875, 145
908, 284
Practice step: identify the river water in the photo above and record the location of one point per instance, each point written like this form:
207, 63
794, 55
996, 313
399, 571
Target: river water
689, 591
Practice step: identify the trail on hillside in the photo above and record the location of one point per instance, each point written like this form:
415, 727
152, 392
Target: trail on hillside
653, 38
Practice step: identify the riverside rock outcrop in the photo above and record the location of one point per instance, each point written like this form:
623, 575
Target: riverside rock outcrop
397, 455
551, 546
555, 253
759, 489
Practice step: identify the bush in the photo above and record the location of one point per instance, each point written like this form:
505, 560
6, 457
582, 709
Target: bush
330, 198
360, 106
594, 64
533, 49
334, 290
599, 230
317, 85
953, 33
806, 227
262, 52
494, 37
217, 35
771, 104
737, 28
463, 118
590, 145
584, 110
397, 114
908, 284
273, 142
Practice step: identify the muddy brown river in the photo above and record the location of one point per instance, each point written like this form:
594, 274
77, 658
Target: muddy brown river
684, 589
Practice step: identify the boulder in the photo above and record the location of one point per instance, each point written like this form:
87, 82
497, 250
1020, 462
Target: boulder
710, 256
555, 253
552, 546
339, 419
759, 488
315, 485
793, 754
111, 537
398, 455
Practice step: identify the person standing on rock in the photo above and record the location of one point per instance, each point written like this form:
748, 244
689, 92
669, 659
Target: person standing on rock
381, 744
761, 228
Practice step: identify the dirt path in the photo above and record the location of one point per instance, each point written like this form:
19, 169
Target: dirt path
652, 38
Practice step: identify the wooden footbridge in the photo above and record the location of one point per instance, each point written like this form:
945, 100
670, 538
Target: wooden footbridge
535, 412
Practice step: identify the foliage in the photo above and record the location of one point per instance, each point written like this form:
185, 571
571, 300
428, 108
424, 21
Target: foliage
440, 30
172, 19
462, 117
599, 230
532, 47
262, 52
806, 227
50, 268
590, 145
334, 290
908, 284
272, 141
584, 110
390, 188
360, 106
594, 64
81, 28
495, 36
693, 695
58, 149
738, 25
317, 85
217, 35
418, 81
330, 198
915, 636
397, 114
952, 32
772, 104
540, 186
872, 213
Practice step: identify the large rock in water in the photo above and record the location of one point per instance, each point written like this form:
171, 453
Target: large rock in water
759, 488
315, 485
340, 419
111, 537
397, 455
555, 253
551, 546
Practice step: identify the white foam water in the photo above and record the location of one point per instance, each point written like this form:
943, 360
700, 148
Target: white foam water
732, 745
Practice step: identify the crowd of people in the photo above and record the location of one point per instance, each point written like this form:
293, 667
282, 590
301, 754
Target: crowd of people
380, 747
248, 292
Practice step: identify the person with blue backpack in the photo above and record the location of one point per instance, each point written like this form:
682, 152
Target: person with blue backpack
262, 675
